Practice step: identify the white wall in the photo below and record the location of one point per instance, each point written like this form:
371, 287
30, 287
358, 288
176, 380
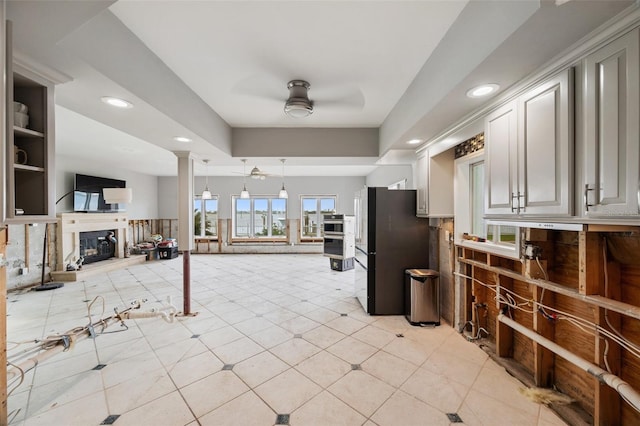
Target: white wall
145, 187
387, 175
224, 187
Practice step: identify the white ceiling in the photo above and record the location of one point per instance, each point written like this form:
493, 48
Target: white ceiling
202, 68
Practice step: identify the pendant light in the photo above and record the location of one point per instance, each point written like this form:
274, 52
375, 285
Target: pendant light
244, 193
283, 192
206, 194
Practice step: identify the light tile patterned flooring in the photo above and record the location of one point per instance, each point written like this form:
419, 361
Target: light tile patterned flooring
278, 339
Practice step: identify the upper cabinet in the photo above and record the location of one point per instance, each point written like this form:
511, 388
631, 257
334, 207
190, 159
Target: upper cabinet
529, 152
611, 115
422, 183
501, 160
30, 185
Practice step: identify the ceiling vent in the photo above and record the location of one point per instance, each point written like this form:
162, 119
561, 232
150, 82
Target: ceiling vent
298, 105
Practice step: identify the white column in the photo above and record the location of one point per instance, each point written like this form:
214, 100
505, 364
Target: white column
185, 200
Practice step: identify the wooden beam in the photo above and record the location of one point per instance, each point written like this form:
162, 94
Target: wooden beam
627, 309
504, 333
607, 404
544, 359
590, 269
3, 327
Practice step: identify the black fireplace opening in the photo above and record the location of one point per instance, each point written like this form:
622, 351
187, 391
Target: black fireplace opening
97, 245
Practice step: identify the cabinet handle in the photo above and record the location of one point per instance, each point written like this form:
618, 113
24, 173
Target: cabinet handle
586, 197
514, 197
520, 208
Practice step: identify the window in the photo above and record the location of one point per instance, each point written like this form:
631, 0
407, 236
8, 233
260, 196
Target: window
259, 217
207, 210
469, 191
313, 211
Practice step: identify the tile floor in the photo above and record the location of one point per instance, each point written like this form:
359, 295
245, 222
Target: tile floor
278, 339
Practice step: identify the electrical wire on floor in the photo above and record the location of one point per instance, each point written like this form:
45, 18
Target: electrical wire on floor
21, 362
479, 329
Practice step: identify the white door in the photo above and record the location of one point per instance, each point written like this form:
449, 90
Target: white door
545, 148
501, 184
611, 129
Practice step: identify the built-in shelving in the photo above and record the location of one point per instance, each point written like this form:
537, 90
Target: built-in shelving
30, 189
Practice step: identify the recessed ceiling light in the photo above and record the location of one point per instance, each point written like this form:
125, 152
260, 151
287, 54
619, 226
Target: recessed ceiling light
414, 141
116, 102
482, 90
181, 139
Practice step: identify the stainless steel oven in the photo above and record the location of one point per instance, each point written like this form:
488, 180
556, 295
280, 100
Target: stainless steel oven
334, 246
333, 224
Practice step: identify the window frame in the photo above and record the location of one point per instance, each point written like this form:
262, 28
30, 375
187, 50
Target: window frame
270, 218
463, 217
202, 235
319, 215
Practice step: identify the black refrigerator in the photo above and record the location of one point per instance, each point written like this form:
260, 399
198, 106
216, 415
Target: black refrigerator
389, 240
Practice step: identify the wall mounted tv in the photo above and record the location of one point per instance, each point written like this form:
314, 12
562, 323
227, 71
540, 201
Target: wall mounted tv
87, 196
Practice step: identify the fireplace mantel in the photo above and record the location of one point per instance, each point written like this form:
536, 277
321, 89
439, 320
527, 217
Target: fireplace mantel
71, 224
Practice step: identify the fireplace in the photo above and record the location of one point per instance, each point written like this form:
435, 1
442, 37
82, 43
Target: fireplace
85, 235
97, 245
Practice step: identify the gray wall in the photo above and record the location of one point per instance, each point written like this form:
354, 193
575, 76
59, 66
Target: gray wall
305, 142
145, 187
224, 187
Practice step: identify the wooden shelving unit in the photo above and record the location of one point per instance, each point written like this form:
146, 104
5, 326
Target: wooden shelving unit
30, 151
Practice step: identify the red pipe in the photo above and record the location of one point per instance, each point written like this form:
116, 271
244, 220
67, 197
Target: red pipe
186, 281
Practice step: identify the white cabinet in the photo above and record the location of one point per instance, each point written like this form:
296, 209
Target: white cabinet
529, 152
501, 156
545, 148
422, 183
611, 118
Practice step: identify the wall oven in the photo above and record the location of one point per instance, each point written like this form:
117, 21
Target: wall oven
339, 239
334, 247
333, 224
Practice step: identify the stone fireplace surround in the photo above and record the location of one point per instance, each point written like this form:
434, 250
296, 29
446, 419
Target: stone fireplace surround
70, 225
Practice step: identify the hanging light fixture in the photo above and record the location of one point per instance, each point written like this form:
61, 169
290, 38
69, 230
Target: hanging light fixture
206, 194
283, 192
244, 193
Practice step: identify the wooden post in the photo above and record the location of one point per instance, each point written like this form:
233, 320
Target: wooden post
607, 406
590, 267
3, 328
543, 358
504, 333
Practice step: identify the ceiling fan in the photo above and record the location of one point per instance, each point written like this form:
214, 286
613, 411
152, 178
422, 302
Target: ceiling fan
298, 104
256, 173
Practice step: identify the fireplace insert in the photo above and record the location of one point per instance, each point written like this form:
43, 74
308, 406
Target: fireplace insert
97, 245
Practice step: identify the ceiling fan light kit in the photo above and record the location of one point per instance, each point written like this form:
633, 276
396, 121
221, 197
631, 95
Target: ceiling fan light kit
298, 105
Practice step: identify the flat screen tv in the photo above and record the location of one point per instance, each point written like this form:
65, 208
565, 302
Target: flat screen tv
87, 196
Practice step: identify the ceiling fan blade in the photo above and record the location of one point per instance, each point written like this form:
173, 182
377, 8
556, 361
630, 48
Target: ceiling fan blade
352, 99
261, 86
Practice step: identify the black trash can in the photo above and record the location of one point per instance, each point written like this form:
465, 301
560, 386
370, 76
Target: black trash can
422, 296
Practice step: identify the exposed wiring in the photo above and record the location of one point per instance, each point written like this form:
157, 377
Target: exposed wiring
580, 323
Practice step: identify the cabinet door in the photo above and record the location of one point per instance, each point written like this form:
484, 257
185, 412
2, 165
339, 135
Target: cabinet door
501, 161
611, 129
422, 184
545, 148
